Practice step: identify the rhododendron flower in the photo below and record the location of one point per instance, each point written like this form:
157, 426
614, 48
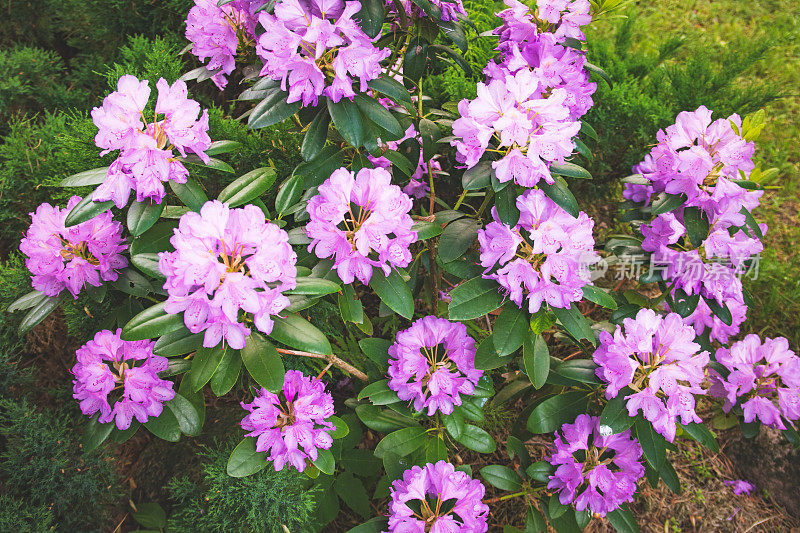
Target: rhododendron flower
437, 498
362, 221
216, 33
568, 15
315, 47
146, 159
544, 258
433, 364
227, 261
60, 257
107, 363
656, 357
291, 426
764, 378
595, 469
740, 486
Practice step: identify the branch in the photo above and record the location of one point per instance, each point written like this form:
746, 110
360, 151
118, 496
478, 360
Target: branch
336, 361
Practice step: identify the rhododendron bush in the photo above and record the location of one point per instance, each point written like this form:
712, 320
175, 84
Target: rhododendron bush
465, 272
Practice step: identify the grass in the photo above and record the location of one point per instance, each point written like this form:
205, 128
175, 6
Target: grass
710, 26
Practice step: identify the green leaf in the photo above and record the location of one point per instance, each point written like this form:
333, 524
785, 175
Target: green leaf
506, 202
400, 162
574, 372
510, 329
555, 508
652, 443
263, 362
516, 449
248, 187
393, 89
289, 193
477, 439
245, 460
87, 178
212, 163
316, 135
38, 313
401, 442
382, 420
348, 121
165, 426
697, 226
435, 450
178, 342
377, 350
131, 282
666, 203
702, 434
151, 323
325, 462
570, 170
454, 423
487, 358
415, 59
271, 110
575, 323
555, 411
376, 525
379, 393
502, 477
96, 434
623, 521
317, 170
205, 362
670, 476
589, 130
536, 358
361, 462
599, 296
456, 238
227, 372
474, 298
426, 230
540, 471
189, 419
190, 193
32, 299
223, 147
85, 210
722, 312
615, 415
393, 291
560, 194
374, 111
314, 286
752, 224
353, 493
299, 333
150, 515
477, 177
600, 72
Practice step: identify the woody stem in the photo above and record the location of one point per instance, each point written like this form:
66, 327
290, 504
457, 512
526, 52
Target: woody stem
332, 359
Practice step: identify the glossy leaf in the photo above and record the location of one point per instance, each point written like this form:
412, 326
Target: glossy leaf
271, 110
502, 477
204, 363
474, 298
86, 209
248, 187
560, 194
87, 178
510, 329
165, 426
536, 358
263, 362
575, 323
401, 442
297, 332
348, 121
557, 410
151, 323
38, 313
245, 460
393, 291
316, 135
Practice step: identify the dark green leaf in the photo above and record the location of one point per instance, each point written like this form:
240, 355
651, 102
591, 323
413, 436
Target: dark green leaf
189, 419
131, 282
456, 238
703, 435
348, 121
316, 134
652, 443
383, 420
697, 226
477, 177
599, 296
402, 442
96, 433
666, 203
299, 333
190, 193
536, 358
540, 471
314, 286
86, 209
223, 147
454, 423
38, 313
245, 460
178, 342
271, 110
502, 477
615, 415
212, 163
263, 362
32, 299
752, 224
374, 111
600, 72
151, 323
150, 515
289, 193
204, 363
474, 298
510, 329
377, 350
670, 477
506, 203
477, 439
486, 356
317, 170
393, 291
555, 411
623, 521
393, 89
560, 194
87, 178
165, 426
351, 490
516, 448
574, 372
570, 170
248, 187
227, 373
575, 323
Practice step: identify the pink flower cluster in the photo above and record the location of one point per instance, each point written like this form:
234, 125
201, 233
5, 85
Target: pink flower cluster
216, 33
146, 158
548, 262
433, 364
700, 158
760, 376
292, 427
315, 47
61, 257
567, 16
107, 363
437, 498
656, 357
228, 261
416, 187
362, 221
604, 474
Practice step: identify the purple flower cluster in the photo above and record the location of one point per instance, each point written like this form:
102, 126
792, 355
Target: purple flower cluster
228, 261
362, 221
565, 17
146, 158
315, 47
61, 257
658, 359
548, 262
740, 486
292, 427
700, 159
433, 364
217, 33
437, 498
107, 363
416, 187
764, 378
604, 474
